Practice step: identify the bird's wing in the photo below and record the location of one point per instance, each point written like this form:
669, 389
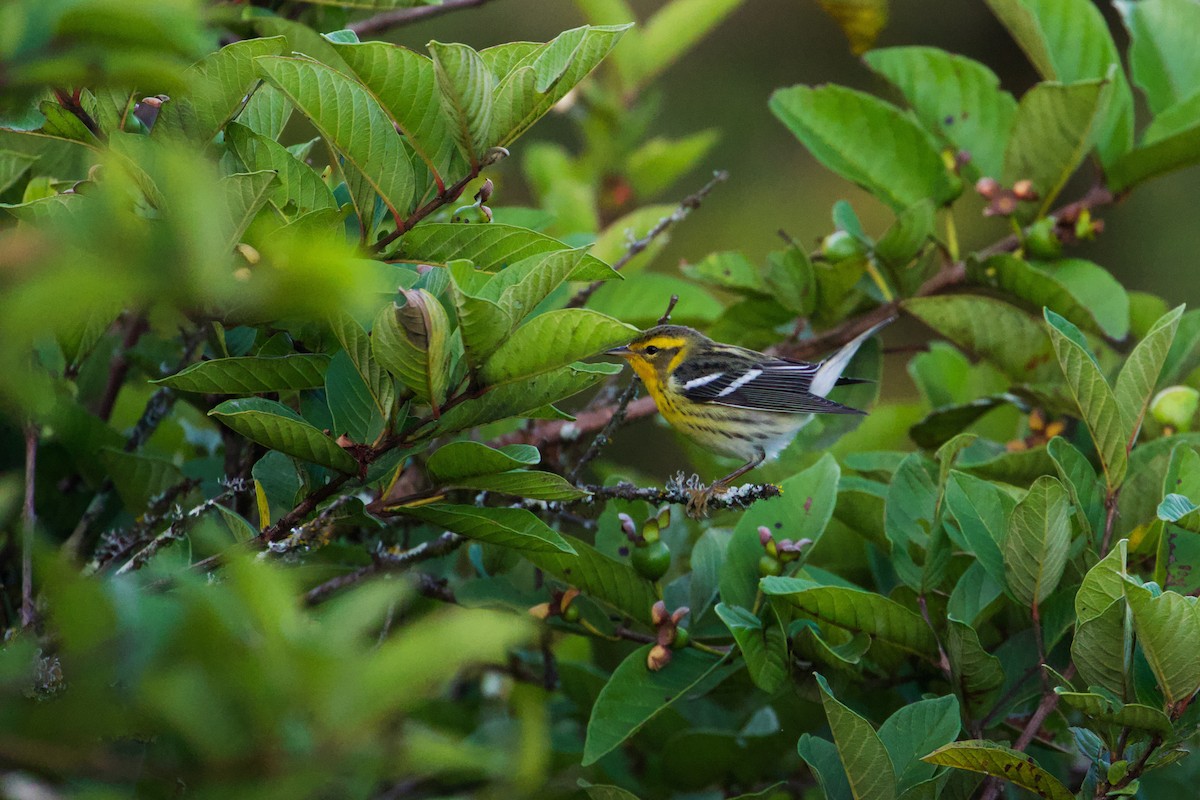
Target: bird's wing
768, 385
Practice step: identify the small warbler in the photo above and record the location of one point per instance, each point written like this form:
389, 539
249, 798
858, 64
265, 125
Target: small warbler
735, 401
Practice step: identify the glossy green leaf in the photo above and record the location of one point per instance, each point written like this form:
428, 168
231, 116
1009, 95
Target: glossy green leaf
357, 345
868, 766
955, 96
857, 611
868, 142
992, 330
351, 404
553, 340
465, 87
728, 270
1052, 132
251, 374
522, 286
489, 247
983, 512
1162, 623
351, 120
762, 643
459, 460
992, 758
278, 427
299, 189
508, 527
1039, 535
1138, 378
1069, 41
1159, 154
1097, 403
599, 577
915, 731
1163, 56
533, 484
634, 695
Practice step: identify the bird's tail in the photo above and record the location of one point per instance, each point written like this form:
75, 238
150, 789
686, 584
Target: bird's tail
829, 374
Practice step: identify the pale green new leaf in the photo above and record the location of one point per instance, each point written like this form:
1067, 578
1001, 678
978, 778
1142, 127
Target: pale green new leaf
251, 374
1039, 535
1136, 382
413, 343
490, 248
299, 190
553, 340
868, 766
1163, 56
992, 758
1097, 403
1052, 132
508, 527
351, 120
869, 142
955, 96
244, 195
278, 427
634, 695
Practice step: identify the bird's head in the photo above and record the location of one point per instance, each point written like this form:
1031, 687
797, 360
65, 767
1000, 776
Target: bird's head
659, 350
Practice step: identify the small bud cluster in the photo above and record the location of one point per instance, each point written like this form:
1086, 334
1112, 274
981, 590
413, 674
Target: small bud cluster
651, 557
778, 553
1002, 201
560, 605
477, 211
670, 635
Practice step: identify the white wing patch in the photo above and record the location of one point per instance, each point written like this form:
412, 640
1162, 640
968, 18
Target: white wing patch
740, 382
703, 380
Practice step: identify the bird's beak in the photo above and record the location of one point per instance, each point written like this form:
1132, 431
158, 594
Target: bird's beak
623, 351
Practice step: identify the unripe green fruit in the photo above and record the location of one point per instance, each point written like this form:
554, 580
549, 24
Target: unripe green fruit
682, 637
652, 561
840, 246
1176, 406
1041, 241
769, 565
570, 613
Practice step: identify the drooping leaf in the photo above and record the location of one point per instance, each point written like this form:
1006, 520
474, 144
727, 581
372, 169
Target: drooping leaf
999, 761
634, 695
978, 676
868, 142
251, 374
1162, 623
762, 643
508, 527
278, 427
413, 343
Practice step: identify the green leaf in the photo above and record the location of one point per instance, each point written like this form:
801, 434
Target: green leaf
543, 76
600, 578
1052, 133
763, 646
992, 330
483, 323
1100, 649
534, 484
659, 162
300, 189
638, 300
1039, 535
791, 280
351, 404
634, 695
351, 120
1082, 292
1096, 401
357, 344
507, 527
1069, 41
1103, 585
459, 460
977, 675
521, 398
868, 766
276, 426
857, 611
465, 87
982, 510
728, 270
406, 87
955, 96
801, 511
244, 194
1000, 762
868, 142
674, 30
1163, 625
1157, 156
413, 343
822, 757
1136, 382
1163, 56
251, 374
553, 340
1078, 475
221, 85
602, 792
490, 248
916, 730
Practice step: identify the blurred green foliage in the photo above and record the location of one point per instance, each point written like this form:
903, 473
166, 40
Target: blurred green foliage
315, 501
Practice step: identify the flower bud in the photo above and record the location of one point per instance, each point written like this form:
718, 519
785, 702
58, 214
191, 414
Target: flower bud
659, 657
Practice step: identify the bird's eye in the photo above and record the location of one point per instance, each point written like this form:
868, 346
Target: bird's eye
651, 350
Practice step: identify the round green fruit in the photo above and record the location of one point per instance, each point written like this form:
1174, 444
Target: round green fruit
840, 246
682, 638
769, 565
652, 560
570, 613
1041, 241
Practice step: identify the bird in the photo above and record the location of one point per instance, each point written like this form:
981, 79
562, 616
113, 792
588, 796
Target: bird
735, 401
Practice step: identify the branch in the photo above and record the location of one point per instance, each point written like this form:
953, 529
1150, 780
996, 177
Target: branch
605, 435
686, 206
118, 367
386, 562
406, 16
676, 491
1032, 726
444, 198
29, 523
71, 103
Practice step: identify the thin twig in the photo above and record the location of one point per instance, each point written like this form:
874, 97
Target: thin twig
29, 524
385, 562
635, 247
676, 491
118, 367
1047, 705
406, 16
1110, 518
605, 434
443, 198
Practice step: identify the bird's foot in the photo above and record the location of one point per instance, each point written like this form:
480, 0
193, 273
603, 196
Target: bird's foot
699, 497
